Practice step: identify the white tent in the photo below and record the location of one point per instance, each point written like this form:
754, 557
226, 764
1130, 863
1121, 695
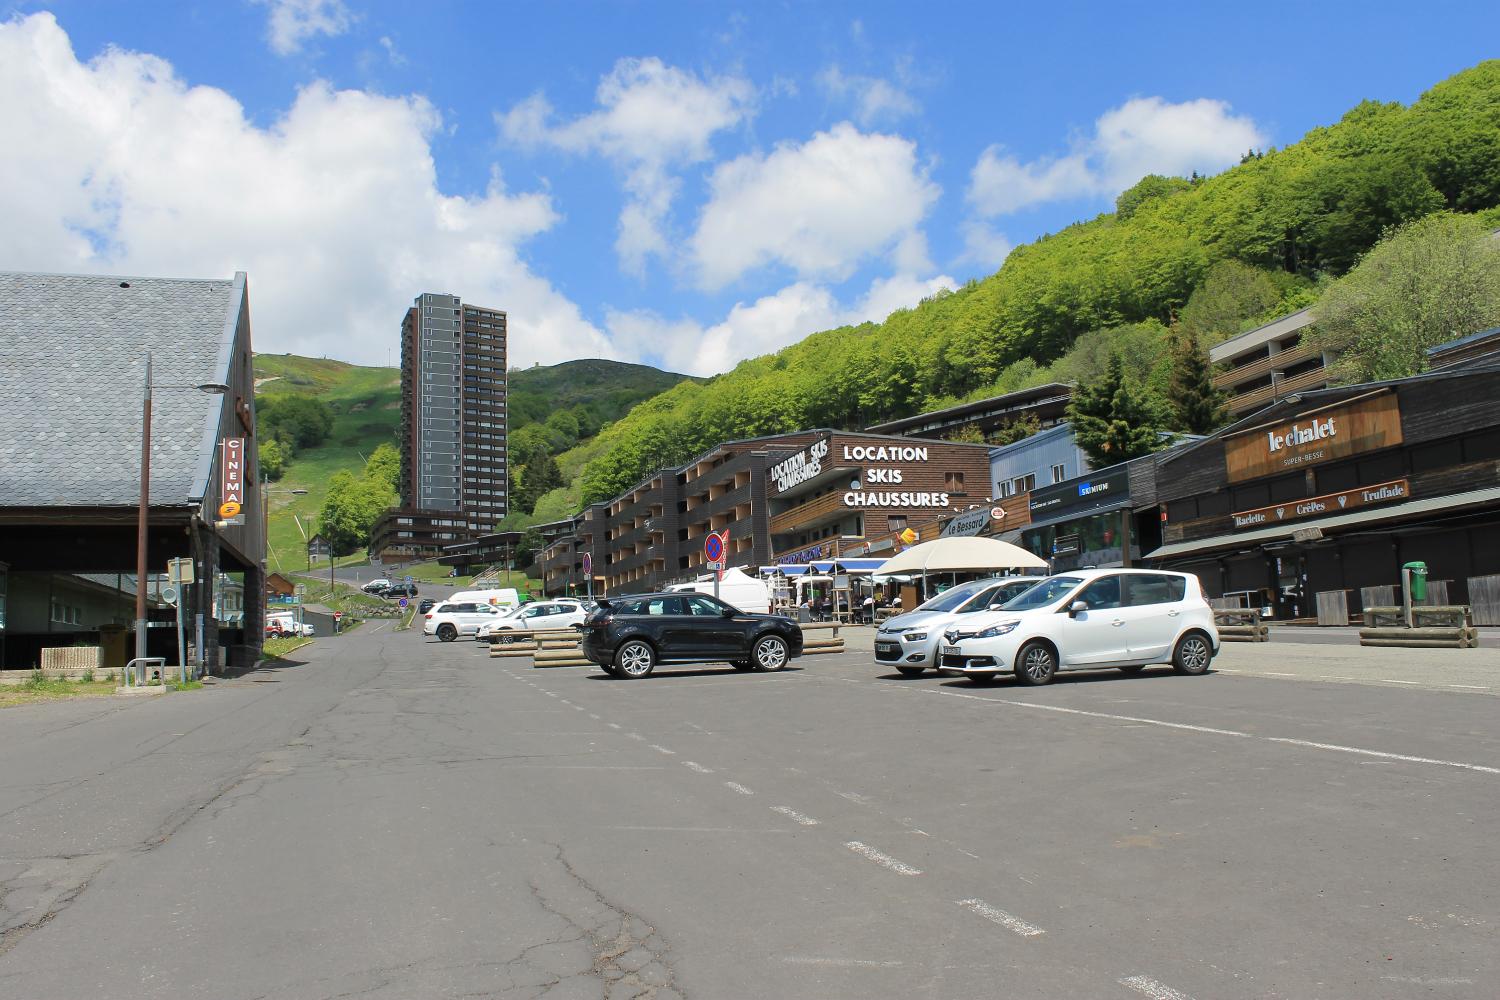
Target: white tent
961, 555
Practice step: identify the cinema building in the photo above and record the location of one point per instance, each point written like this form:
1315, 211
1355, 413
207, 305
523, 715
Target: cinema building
786, 500
1310, 507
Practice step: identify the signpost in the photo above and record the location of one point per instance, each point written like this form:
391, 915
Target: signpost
180, 573
713, 551
588, 571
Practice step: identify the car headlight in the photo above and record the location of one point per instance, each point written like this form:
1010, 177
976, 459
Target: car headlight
914, 636
997, 630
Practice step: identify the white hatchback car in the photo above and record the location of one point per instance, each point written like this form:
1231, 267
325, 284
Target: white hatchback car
452, 619
538, 615
1086, 620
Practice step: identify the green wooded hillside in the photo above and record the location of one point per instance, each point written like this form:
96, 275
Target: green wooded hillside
1298, 215
364, 404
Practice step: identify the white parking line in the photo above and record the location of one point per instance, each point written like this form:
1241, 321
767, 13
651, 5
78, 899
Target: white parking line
1147, 986
593, 716
636, 736
882, 859
794, 815
736, 786
693, 765
615, 725
854, 797
1351, 677
662, 749
1209, 730
1008, 921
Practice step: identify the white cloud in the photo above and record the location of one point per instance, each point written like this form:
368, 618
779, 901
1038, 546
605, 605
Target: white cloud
983, 244
651, 118
292, 22
765, 325
1145, 135
819, 208
118, 166
873, 99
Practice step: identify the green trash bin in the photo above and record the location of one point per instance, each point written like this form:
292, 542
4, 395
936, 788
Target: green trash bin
1418, 571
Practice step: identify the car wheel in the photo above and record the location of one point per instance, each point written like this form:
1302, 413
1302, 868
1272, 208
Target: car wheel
912, 671
634, 660
1133, 668
1036, 664
1193, 654
770, 653
446, 632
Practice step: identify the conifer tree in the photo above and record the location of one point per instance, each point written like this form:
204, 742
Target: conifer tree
1197, 404
1114, 421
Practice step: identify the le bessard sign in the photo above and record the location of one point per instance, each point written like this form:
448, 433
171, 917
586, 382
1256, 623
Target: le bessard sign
1316, 436
1333, 503
812, 461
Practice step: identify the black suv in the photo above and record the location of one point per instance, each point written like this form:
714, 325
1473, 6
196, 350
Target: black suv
629, 636
396, 590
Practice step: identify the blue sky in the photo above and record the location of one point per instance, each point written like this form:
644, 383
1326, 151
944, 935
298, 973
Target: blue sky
681, 184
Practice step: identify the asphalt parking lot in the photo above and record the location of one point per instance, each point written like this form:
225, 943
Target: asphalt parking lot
396, 817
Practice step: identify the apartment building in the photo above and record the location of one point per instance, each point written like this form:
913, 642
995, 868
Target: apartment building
453, 427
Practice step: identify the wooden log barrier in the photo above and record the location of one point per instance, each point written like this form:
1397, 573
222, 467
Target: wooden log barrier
814, 643
1431, 637
1244, 633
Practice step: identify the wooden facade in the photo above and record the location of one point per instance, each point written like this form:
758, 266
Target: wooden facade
1413, 465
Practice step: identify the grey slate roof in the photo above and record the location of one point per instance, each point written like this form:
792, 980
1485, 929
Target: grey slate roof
72, 363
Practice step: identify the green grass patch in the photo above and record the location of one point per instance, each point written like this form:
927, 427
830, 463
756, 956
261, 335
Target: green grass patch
276, 649
37, 688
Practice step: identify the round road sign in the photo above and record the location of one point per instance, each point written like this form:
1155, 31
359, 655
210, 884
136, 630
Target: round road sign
588, 564
713, 547
403, 602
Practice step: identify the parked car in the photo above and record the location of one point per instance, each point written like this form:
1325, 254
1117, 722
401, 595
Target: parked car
376, 586
910, 641
538, 615
285, 624
1086, 620
425, 605
629, 636
399, 590
452, 619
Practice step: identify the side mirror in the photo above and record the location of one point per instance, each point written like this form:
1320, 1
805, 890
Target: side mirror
996, 606
1077, 608
727, 613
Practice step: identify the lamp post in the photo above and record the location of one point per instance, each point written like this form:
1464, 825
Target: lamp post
266, 490
143, 517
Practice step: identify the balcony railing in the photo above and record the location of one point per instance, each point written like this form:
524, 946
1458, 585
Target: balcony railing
1263, 367
1246, 401
812, 511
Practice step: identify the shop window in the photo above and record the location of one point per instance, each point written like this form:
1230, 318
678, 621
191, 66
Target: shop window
1381, 468
1251, 497
1482, 447
1436, 456
1288, 488
1337, 478
1214, 505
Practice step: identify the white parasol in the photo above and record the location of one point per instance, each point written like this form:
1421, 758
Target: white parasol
961, 555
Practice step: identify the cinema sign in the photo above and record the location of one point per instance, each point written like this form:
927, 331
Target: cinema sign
1314, 436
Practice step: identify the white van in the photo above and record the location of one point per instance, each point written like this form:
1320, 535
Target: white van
503, 598
738, 589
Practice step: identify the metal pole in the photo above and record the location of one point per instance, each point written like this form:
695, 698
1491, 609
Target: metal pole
181, 639
141, 522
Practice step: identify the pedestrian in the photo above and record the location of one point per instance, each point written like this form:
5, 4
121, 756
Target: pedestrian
868, 606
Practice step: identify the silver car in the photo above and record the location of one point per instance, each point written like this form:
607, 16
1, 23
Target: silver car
909, 641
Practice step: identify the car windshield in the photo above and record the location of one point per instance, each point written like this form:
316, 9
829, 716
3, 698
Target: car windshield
1043, 594
950, 599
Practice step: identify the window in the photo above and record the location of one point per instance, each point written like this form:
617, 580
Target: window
896, 522
953, 482
1022, 484
1154, 588
1103, 593
1003, 490
1059, 473
702, 607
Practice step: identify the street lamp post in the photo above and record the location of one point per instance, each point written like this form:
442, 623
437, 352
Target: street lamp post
143, 521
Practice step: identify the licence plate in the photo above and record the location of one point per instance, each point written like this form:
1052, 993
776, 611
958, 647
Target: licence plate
885, 647
952, 651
